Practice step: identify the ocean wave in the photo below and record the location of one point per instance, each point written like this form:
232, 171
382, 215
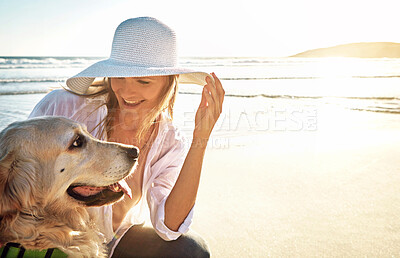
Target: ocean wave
377, 110
23, 92
286, 96
42, 66
313, 97
30, 80
45, 62
381, 99
372, 98
309, 77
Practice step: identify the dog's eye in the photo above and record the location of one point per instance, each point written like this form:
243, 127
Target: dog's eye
78, 142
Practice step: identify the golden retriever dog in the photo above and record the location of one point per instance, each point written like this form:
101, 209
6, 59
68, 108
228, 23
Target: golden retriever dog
51, 170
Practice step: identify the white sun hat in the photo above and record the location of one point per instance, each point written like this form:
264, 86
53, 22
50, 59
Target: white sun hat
141, 47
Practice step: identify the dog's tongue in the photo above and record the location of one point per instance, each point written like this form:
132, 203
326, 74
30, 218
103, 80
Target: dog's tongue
121, 186
88, 190
92, 190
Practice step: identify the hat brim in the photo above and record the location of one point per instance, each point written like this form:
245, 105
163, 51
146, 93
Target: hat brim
81, 82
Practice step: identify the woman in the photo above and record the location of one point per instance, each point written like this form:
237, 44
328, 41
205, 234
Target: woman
133, 104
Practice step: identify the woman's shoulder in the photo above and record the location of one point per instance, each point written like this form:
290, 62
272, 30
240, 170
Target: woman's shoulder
61, 97
63, 93
61, 102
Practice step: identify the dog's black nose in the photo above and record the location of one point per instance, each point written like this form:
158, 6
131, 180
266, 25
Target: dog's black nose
133, 152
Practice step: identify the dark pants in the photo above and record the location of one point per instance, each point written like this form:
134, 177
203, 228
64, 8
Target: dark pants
142, 241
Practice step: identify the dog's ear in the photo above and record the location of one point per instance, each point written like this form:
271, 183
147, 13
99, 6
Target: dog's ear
15, 184
5, 170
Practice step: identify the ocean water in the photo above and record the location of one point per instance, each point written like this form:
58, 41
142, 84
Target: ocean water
364, 85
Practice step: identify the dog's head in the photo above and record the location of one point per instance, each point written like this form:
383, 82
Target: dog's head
55, 160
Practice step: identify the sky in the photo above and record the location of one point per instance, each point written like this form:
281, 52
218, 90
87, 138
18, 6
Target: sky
259, 28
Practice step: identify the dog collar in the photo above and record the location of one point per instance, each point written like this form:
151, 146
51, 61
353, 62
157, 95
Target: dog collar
14, 250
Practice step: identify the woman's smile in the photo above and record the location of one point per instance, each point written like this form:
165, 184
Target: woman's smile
132, 103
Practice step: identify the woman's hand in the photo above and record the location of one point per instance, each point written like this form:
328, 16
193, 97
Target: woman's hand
183, 195
209, 109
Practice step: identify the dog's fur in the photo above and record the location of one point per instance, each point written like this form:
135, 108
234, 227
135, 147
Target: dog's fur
40, 160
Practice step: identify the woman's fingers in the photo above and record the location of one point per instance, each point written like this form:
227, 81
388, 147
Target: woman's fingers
204, 121
211, 87
217, 92
207, 95
219, 88
213, 100
203, 102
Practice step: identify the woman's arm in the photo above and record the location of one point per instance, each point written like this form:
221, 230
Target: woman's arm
183, 195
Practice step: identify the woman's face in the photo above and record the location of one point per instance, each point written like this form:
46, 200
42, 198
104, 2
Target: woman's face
138, 94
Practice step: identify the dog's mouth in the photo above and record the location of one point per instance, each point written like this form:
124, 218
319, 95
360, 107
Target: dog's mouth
98, 196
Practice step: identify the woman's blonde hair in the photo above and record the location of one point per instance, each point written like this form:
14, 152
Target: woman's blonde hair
166, 102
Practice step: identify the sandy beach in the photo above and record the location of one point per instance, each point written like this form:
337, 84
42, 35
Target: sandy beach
332, 192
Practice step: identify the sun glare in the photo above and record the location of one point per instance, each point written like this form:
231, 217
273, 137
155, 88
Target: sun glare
339, 67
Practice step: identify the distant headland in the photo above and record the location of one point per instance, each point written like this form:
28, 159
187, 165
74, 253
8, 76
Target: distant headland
361, 50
